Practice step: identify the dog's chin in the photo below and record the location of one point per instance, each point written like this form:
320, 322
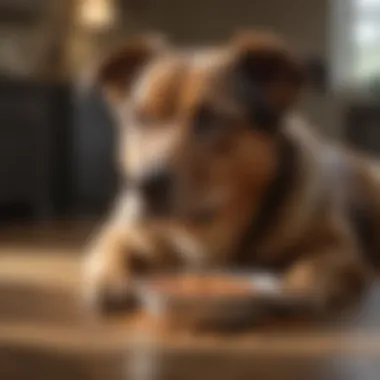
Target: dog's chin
161, 210
203, 215
195, 211
196, 215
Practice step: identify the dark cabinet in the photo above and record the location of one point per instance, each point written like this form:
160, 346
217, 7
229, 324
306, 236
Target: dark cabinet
34, 137
95, 172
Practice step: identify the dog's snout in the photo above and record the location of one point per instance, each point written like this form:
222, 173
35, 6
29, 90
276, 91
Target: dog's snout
156, 188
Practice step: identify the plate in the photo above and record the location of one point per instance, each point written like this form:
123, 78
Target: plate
211, 299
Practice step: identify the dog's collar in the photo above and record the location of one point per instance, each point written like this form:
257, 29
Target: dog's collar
276, 194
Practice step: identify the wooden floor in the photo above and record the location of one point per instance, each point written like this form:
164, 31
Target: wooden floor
45, 333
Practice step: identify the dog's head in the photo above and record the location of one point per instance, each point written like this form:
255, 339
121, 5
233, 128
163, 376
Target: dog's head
199, 128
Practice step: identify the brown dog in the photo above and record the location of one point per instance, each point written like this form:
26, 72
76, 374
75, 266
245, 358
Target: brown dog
219, 174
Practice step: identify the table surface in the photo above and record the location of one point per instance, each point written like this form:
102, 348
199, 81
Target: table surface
42, 321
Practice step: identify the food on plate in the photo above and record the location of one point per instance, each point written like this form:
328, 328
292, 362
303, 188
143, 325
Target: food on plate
202, 285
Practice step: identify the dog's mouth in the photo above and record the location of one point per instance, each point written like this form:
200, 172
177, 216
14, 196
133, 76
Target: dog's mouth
165, 199
202, 215
198, 215
198, 212
203, 212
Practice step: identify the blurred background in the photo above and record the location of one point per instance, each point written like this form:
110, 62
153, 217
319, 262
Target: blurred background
56, 147
56, 144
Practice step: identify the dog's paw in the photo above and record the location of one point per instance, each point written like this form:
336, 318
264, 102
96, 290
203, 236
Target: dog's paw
330, 292
108, 285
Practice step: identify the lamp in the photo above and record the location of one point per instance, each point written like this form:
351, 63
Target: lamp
97, 14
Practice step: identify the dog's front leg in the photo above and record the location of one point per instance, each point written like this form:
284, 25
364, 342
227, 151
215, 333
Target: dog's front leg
107, 273
330, 279
124, 249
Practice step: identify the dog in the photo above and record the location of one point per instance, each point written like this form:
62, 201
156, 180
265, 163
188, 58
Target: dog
218, 171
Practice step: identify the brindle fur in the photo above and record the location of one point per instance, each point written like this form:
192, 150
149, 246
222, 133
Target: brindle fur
228, 165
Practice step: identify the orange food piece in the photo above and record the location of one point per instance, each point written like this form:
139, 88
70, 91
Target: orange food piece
197, 285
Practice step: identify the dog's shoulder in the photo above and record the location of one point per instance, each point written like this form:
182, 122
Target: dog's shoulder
330, 162
320, 183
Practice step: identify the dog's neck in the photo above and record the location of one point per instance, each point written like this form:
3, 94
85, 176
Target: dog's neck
276, 195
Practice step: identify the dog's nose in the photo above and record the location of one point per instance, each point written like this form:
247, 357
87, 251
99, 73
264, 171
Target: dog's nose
156, 189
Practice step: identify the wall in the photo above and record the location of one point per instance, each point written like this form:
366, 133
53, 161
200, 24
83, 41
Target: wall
302, 21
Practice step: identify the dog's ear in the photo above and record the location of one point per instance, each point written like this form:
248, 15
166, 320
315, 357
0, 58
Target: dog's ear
116, 73
267, 77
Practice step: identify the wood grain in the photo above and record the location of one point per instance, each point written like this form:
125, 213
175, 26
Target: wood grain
46, 332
